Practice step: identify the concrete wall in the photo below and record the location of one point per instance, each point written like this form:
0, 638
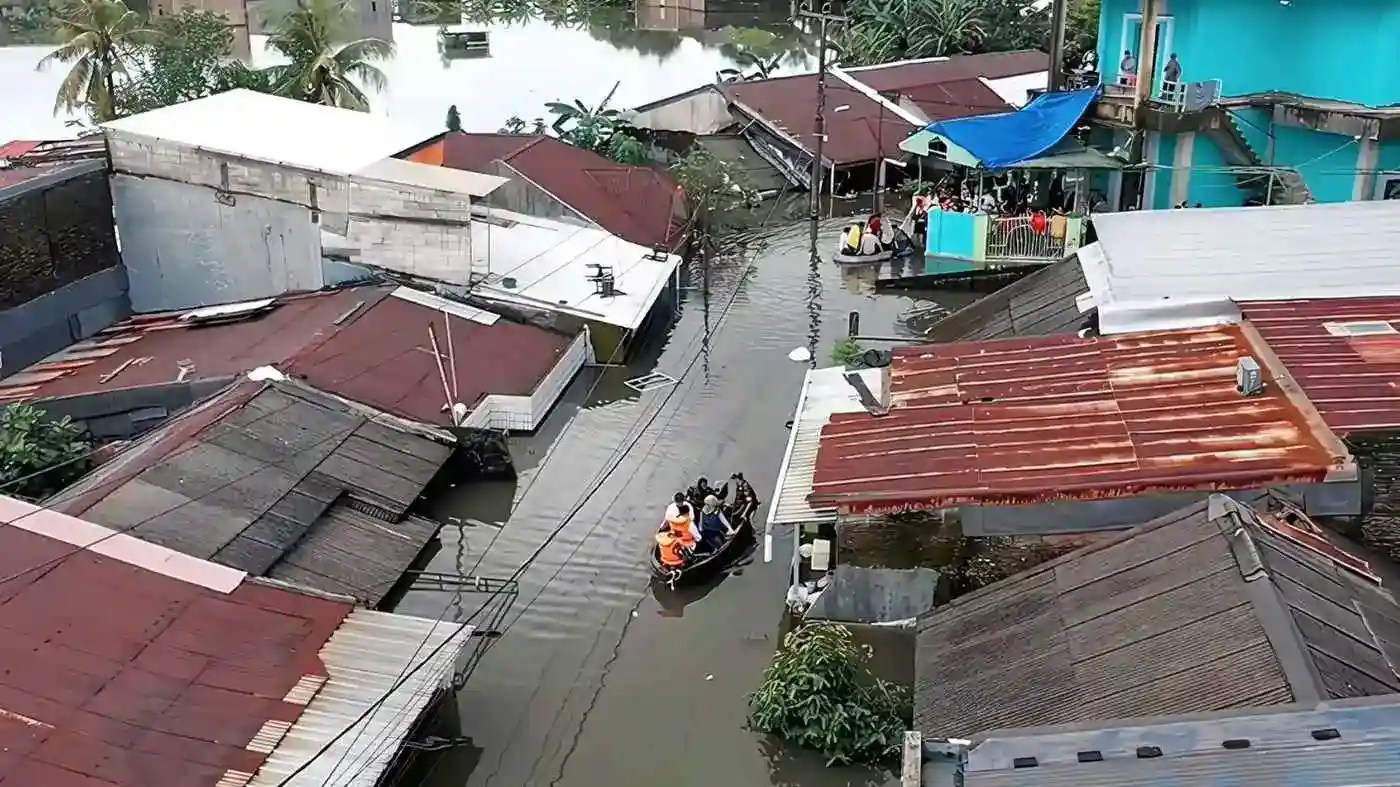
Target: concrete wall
60, 277
1341, 49
236, 229
705, 112
184, 248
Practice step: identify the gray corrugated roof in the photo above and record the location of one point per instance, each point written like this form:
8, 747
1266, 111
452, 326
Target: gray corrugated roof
876, 595
1040, 304
1267, 253
1171, 617
276, 480
1282, 751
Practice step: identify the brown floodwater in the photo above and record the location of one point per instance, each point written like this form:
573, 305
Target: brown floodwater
601, 680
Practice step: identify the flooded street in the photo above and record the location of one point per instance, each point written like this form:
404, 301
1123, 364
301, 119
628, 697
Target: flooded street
598, 673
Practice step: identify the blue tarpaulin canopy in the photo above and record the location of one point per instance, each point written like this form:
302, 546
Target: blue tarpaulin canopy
1005, 140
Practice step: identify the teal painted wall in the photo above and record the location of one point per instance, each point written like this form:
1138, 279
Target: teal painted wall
1162, 178
1211, 186
1338, 49
1326, 161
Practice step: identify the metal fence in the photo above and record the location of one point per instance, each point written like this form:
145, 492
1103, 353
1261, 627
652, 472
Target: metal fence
1017, 238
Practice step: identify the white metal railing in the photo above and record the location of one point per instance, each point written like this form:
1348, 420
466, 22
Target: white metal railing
1178, 95
1024, 238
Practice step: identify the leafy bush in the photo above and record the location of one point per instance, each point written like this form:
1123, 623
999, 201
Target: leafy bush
31, 443
819, 694
715, 190
846, 352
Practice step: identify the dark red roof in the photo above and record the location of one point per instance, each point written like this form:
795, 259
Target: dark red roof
1022, 421
1351, 380
637, 204
385, 359
164, 340
118, 676
943, 88
916, 73
18, 147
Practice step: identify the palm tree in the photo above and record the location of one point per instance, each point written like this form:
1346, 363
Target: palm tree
583, 116
748, 66
101, 36
323, 67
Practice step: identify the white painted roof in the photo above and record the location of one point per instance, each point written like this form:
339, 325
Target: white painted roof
257, 126
549, 261
1197, 256
457, 181
825, 393
364, 658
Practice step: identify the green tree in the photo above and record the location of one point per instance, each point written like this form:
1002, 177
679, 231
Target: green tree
39, 456
99, 39
886, 30
819, 694
454, 119
716, 192
847, 351
192, 58
748, 65
323, 68
600, 129
517, 125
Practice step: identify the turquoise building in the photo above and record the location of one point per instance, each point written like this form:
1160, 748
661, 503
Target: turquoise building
1278, 101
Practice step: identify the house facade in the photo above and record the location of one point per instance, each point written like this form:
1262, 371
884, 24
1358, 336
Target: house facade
1274, 103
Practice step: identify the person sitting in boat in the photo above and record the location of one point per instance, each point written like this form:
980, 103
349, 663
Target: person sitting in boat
702, 489
681, 521
714, 525
745, 499
874, 226
851, 240
674, 552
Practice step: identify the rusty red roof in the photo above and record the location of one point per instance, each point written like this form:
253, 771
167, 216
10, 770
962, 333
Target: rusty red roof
1352, 380
929, 71
1062, 418
384, 358
18, 147
637, 204
149, 350
127, 665
944, 88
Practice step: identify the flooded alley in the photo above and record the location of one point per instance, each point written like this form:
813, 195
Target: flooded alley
598, 672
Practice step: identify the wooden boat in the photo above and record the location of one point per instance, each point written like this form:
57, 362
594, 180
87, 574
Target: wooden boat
707, 566
894, 243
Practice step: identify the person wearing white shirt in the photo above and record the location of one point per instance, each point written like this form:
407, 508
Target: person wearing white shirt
673, 512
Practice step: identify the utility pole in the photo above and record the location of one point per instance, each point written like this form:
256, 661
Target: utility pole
1059, 15
825, 16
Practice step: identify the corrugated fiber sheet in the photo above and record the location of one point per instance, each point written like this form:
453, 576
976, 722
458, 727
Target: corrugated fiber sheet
364, 659
1021, 422
824, 393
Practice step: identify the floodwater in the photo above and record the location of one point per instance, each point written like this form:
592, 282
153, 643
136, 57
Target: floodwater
532, 62
600, 679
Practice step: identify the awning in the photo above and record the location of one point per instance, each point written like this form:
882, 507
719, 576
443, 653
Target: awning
1069, 153
1010, 138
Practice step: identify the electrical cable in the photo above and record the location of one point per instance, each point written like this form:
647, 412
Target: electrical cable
604, 476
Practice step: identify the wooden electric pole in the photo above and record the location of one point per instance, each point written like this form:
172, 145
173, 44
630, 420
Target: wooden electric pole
826, 17
1059, 16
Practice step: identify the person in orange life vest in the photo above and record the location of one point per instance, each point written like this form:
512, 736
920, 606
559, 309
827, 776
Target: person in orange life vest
673, 550
681, 523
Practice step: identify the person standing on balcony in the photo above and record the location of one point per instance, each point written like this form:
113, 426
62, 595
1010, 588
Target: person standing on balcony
1127, 69
1171, 79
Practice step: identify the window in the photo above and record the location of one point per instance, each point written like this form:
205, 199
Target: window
1373, 328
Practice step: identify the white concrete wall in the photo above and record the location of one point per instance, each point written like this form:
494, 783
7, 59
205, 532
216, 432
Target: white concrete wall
526, 413
706, 112
414, 230
184, 249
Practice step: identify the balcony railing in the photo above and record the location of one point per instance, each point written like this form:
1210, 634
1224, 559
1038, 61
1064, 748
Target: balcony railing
973, 241
1172, 96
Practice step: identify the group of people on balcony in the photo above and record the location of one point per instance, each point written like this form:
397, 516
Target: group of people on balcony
1016, 193
1171, 74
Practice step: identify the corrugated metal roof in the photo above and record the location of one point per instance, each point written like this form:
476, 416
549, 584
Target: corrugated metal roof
1209, 608
638, 204
1041, 304
1351, 379
1282, 751
365, 657
129, 665
1149, 257
825, 392
1030, 421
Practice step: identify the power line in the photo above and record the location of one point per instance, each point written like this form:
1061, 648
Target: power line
593, 489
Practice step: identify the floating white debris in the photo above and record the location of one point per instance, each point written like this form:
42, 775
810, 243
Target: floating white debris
800, 355
265, 373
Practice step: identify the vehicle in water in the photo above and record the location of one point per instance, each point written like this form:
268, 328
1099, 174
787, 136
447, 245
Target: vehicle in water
706, 565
